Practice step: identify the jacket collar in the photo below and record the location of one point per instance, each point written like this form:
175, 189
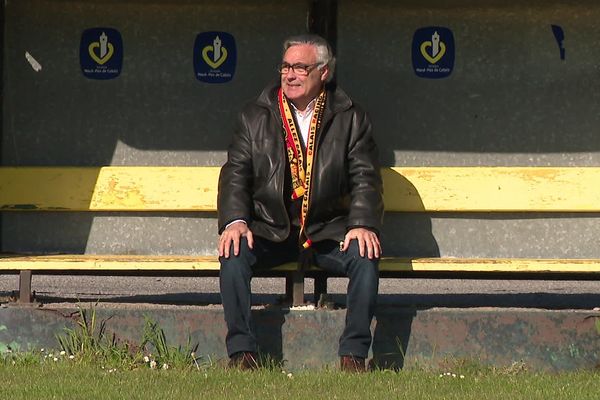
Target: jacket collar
337, 99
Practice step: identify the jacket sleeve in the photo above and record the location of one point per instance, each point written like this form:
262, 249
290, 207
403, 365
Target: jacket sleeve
366, 206
234, 199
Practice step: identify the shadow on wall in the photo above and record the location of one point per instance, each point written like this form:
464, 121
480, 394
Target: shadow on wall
406, 234
391, 337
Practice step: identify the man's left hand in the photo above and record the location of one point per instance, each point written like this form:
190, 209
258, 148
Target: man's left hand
368, 242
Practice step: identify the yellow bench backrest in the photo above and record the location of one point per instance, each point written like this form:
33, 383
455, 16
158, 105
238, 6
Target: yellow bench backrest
434, 189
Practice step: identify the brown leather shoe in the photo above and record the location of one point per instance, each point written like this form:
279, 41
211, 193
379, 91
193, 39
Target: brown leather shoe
352, 364
244, 360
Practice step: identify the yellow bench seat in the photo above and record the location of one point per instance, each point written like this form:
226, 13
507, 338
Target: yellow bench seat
70, 262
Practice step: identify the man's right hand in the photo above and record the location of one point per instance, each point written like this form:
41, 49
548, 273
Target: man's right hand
232, 234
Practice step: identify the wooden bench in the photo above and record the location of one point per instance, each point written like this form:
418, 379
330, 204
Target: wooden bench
194, 189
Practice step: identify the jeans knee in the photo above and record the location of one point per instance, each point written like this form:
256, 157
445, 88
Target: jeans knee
364, 271
237, 266
367, 270
363, 265
364, 283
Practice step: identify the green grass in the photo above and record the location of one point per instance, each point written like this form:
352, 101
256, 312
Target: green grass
66, 379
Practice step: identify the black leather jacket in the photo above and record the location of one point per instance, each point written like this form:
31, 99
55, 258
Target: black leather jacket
346, 187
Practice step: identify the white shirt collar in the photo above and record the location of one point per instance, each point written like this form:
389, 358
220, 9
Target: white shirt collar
303, 118
309, 108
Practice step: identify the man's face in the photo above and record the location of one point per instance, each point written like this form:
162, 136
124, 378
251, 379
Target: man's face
299, 89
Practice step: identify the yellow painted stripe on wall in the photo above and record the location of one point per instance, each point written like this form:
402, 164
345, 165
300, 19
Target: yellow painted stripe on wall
514, 189
156, 189
108, 188
32, 188
562, 189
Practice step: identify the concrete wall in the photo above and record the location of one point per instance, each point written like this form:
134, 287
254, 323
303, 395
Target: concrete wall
155, 113
510, 100
539, 340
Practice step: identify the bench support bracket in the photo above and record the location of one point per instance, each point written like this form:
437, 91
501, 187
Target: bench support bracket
25, 286
294, 287
320, 286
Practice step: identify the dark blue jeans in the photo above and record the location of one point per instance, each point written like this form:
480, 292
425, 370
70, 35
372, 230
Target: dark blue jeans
236, 273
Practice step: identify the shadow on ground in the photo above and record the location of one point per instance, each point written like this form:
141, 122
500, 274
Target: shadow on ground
422, 301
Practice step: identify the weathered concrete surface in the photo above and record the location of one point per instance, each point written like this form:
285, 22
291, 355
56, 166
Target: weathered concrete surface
541, 339
511, 101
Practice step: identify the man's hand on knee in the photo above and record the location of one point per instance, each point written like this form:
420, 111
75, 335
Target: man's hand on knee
367, 240
232, 235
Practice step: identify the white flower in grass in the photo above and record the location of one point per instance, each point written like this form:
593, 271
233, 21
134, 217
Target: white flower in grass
62, 353
146, 359
55, 358
153, 364
165, 366
451, 374
290, 375
71, 357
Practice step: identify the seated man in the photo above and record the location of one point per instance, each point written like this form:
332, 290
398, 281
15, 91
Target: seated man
302, 175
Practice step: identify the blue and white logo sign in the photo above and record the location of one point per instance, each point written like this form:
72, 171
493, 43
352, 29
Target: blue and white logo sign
214, 57
101, 53
433, 52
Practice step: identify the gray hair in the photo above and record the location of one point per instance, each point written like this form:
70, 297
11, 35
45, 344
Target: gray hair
324, 53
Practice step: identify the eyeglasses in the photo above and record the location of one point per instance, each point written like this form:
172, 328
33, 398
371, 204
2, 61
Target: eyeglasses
299, 69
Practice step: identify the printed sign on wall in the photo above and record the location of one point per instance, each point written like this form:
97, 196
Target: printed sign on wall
433, 52
214, 57
101, 53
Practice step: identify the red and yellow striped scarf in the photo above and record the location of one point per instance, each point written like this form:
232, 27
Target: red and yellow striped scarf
301, 177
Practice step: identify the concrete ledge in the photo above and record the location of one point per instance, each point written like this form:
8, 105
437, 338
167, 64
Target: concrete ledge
542, 339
